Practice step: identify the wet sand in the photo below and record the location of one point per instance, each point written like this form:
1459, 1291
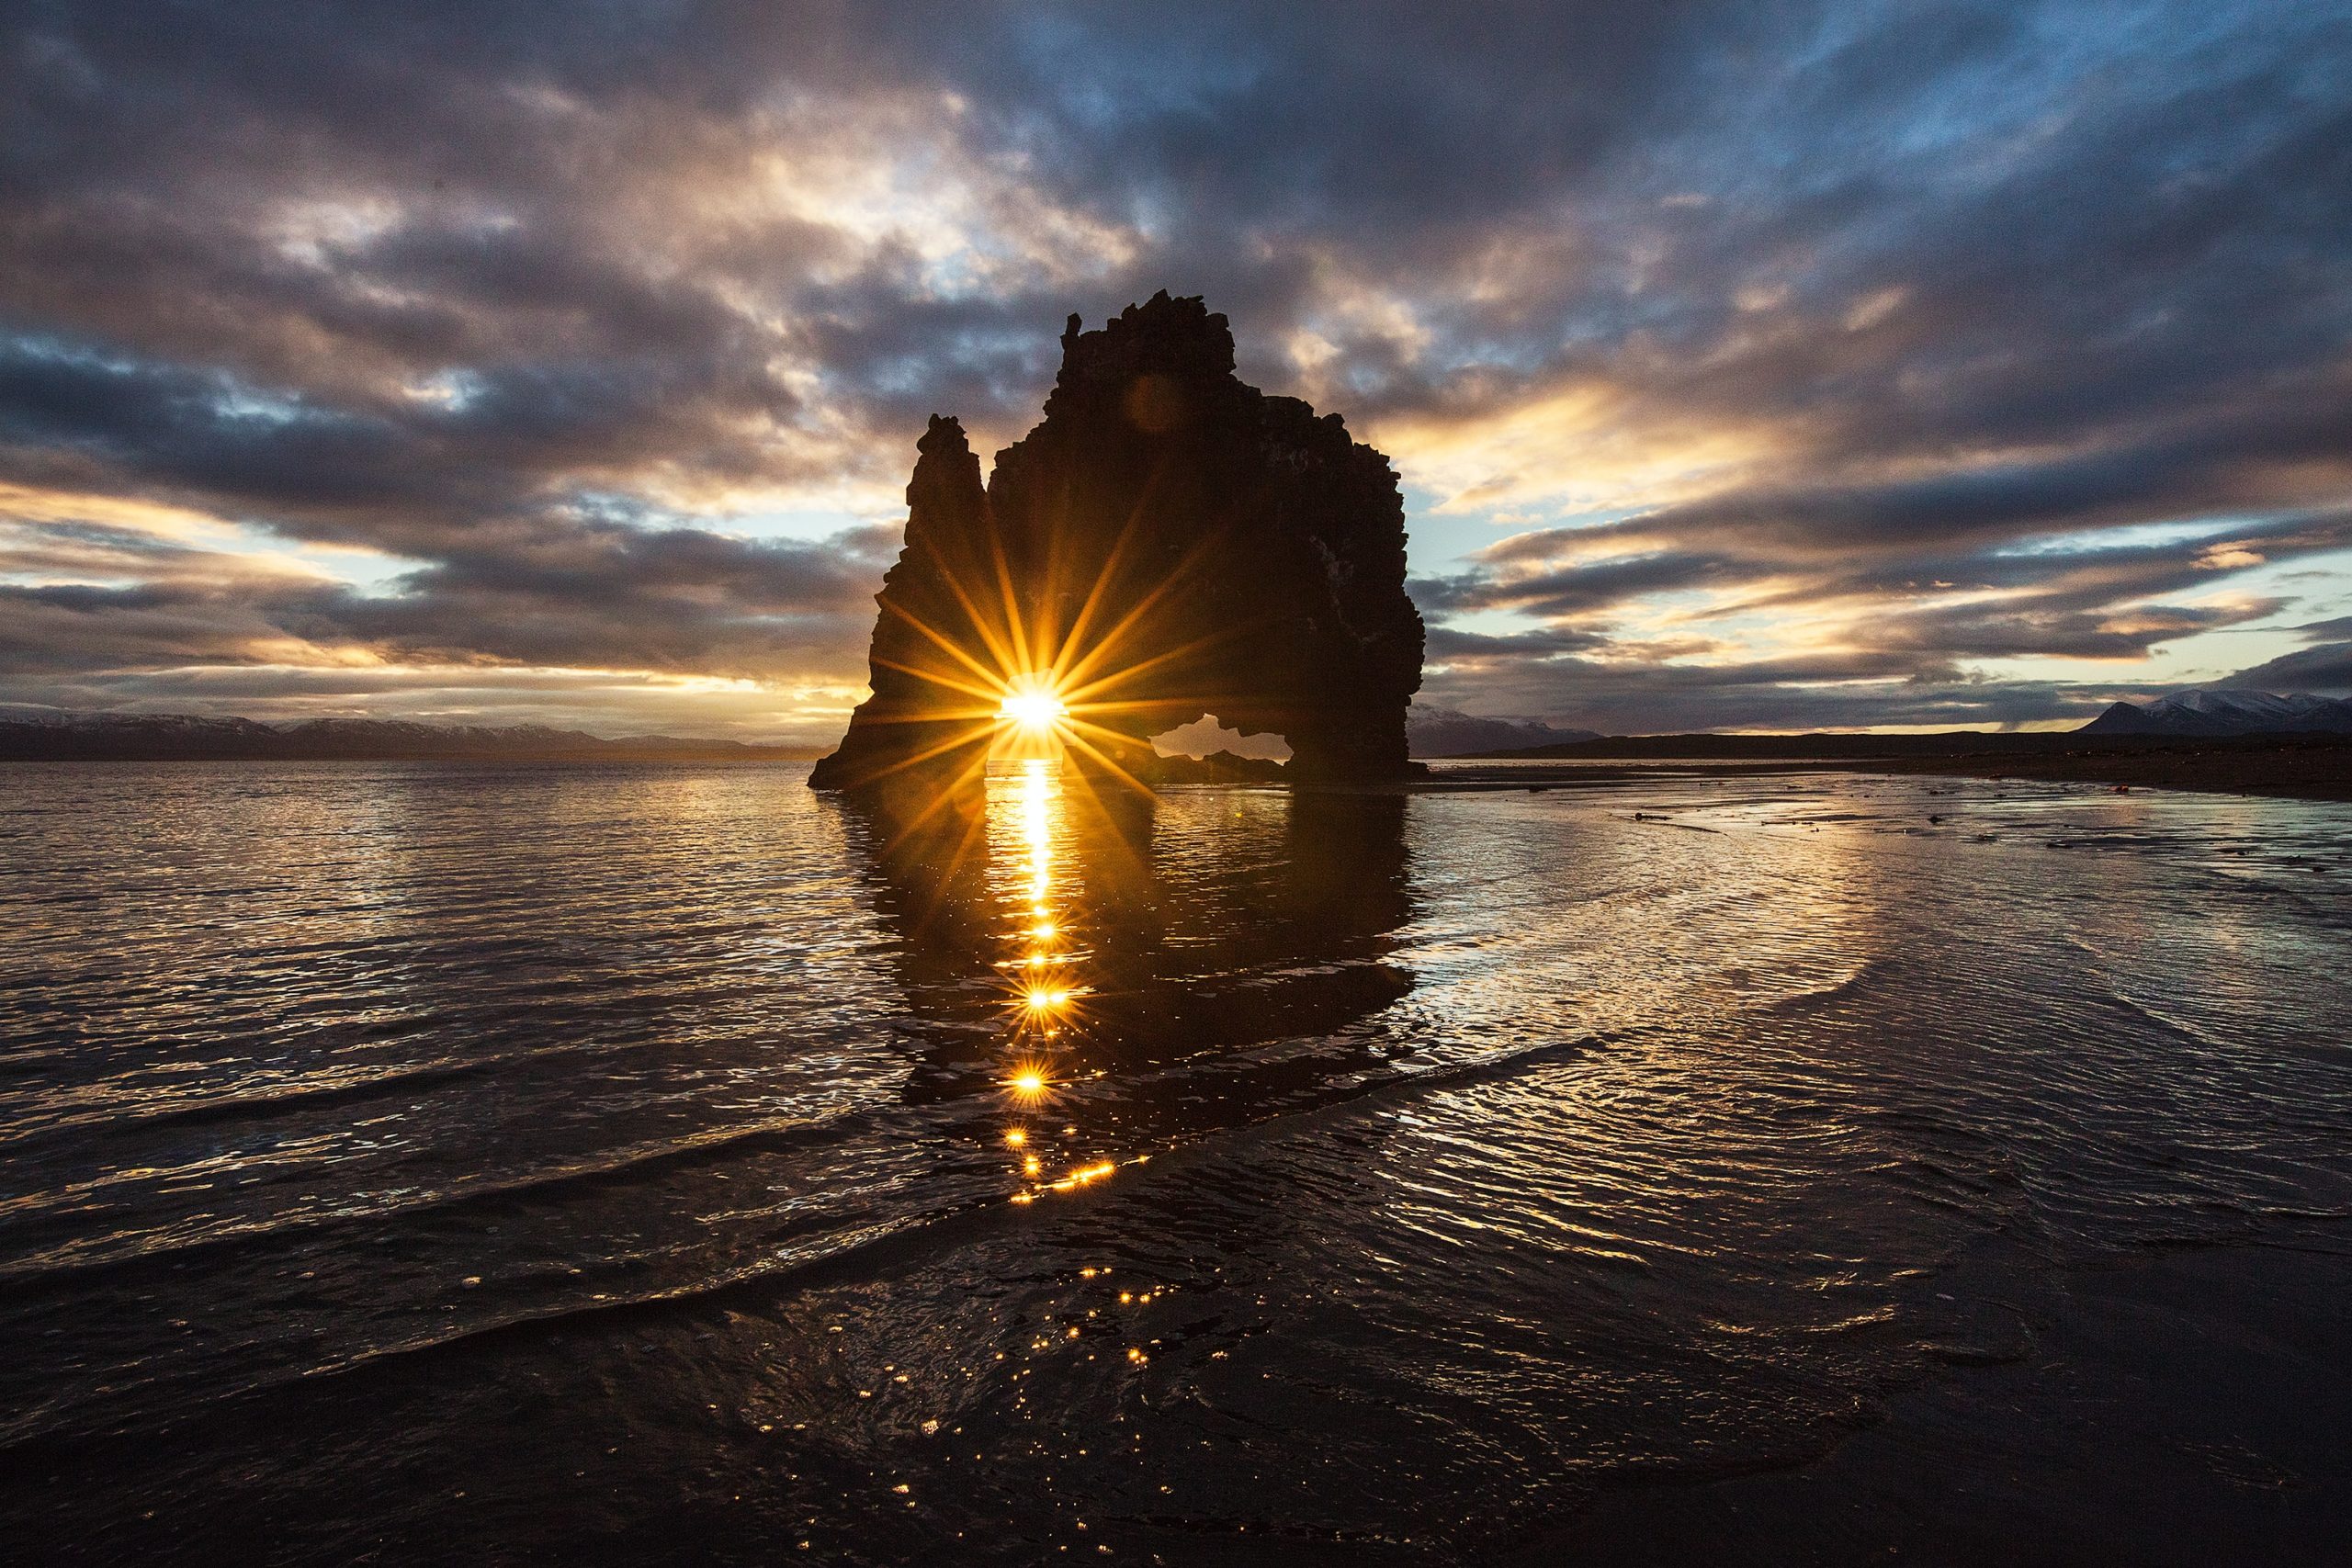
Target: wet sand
2292, 772
2181, 1406
2289, 767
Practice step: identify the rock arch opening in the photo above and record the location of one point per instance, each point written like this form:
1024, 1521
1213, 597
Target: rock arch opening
1206, 736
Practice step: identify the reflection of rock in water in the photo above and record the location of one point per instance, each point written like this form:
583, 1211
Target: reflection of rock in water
1210, 944
1172, 541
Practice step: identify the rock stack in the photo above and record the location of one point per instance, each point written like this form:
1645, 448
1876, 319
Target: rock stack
1169, 542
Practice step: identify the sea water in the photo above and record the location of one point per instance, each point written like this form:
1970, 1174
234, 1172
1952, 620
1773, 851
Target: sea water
626, 1163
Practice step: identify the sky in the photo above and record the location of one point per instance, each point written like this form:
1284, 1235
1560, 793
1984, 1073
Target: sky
1747, 366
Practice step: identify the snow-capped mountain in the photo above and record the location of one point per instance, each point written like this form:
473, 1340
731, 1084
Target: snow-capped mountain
2217, 713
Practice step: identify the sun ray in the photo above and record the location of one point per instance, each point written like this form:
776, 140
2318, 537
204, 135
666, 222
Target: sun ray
1085, 693
1077, 675
985, 694
1007, 656
1109, 763
1014, 629
948, 645
975, 736
1104, 578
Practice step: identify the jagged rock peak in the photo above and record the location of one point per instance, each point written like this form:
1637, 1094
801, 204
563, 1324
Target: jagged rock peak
946, 465
1166, 336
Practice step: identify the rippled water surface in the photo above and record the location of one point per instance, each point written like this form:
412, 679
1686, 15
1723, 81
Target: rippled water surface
579, 1163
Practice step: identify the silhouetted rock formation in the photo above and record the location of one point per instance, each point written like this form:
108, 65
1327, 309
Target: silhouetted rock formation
1174, 543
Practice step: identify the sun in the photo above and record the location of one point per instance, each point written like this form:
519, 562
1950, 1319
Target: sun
1032, 708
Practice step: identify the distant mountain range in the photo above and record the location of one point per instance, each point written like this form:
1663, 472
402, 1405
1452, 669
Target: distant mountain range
34, 735
2221, 713
1442, 732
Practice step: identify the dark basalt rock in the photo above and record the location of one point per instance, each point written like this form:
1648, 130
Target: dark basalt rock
1181, 542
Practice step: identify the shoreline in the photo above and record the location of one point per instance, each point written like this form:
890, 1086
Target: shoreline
2322, 772
2287, 772
2294, 773
2298, 767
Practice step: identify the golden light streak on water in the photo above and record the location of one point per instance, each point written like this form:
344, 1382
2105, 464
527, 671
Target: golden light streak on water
1029, 830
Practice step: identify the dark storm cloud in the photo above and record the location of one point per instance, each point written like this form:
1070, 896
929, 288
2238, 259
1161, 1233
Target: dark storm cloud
530, 297
2069, 576
1620, 695
2322, 631
1453, 644
584, 598
2326, 667
583, 594
678, 600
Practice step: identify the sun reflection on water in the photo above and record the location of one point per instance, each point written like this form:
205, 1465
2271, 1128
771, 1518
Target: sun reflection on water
1040, 967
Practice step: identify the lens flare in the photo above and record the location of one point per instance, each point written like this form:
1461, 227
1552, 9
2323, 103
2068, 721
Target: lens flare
1032, 707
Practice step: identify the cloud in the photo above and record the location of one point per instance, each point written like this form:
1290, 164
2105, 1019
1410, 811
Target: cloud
679, 601
2328, 668
1794, 361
